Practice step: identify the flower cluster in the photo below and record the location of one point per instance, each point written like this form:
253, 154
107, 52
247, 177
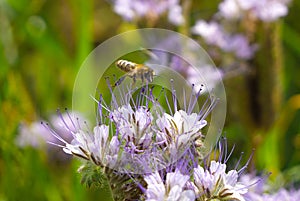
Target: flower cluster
137, 135
133, 10
147, 153
214, 34
141, 146
265, 10
230, 34
209, 183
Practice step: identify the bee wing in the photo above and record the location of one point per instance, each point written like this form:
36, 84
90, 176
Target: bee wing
149, 53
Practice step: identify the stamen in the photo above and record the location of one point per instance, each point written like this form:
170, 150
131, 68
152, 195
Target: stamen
184, 99
174, 95
131, 100
78, 123
210, 108
168, 104
63, 120
54, 133
226, 159
100, 108
203, 109
196, 98
191, 97
120, 91
114, 101
247, 163
238, 163
66, 110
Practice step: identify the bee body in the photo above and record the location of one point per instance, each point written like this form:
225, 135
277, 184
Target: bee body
135, 71
125, 65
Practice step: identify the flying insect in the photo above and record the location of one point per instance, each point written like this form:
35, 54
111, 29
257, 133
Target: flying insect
135, 71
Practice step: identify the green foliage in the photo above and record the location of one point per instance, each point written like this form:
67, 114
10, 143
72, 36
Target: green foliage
92, 175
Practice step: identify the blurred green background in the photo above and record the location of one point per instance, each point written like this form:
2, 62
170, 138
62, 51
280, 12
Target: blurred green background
42, 45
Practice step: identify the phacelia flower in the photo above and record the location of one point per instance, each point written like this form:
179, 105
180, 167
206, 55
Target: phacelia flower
265, 10
257, 186
172, 189
36, 135
135, 134
282, 194
215, 183
132, 10
214, 34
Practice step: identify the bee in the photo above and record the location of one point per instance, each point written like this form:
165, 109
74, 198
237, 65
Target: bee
135, 71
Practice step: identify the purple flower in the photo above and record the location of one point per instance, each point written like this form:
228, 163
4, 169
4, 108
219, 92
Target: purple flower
282, 195
214, 34
39, 136
257, 186
132, 10
265, 10
240, 46
34, 135
136, 134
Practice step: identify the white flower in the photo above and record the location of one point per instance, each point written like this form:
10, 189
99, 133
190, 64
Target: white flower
179, 130
230, 9
92, 147
175, 15
134, 126
270, 10
171, 190
214, 182
211, 32
123, 8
